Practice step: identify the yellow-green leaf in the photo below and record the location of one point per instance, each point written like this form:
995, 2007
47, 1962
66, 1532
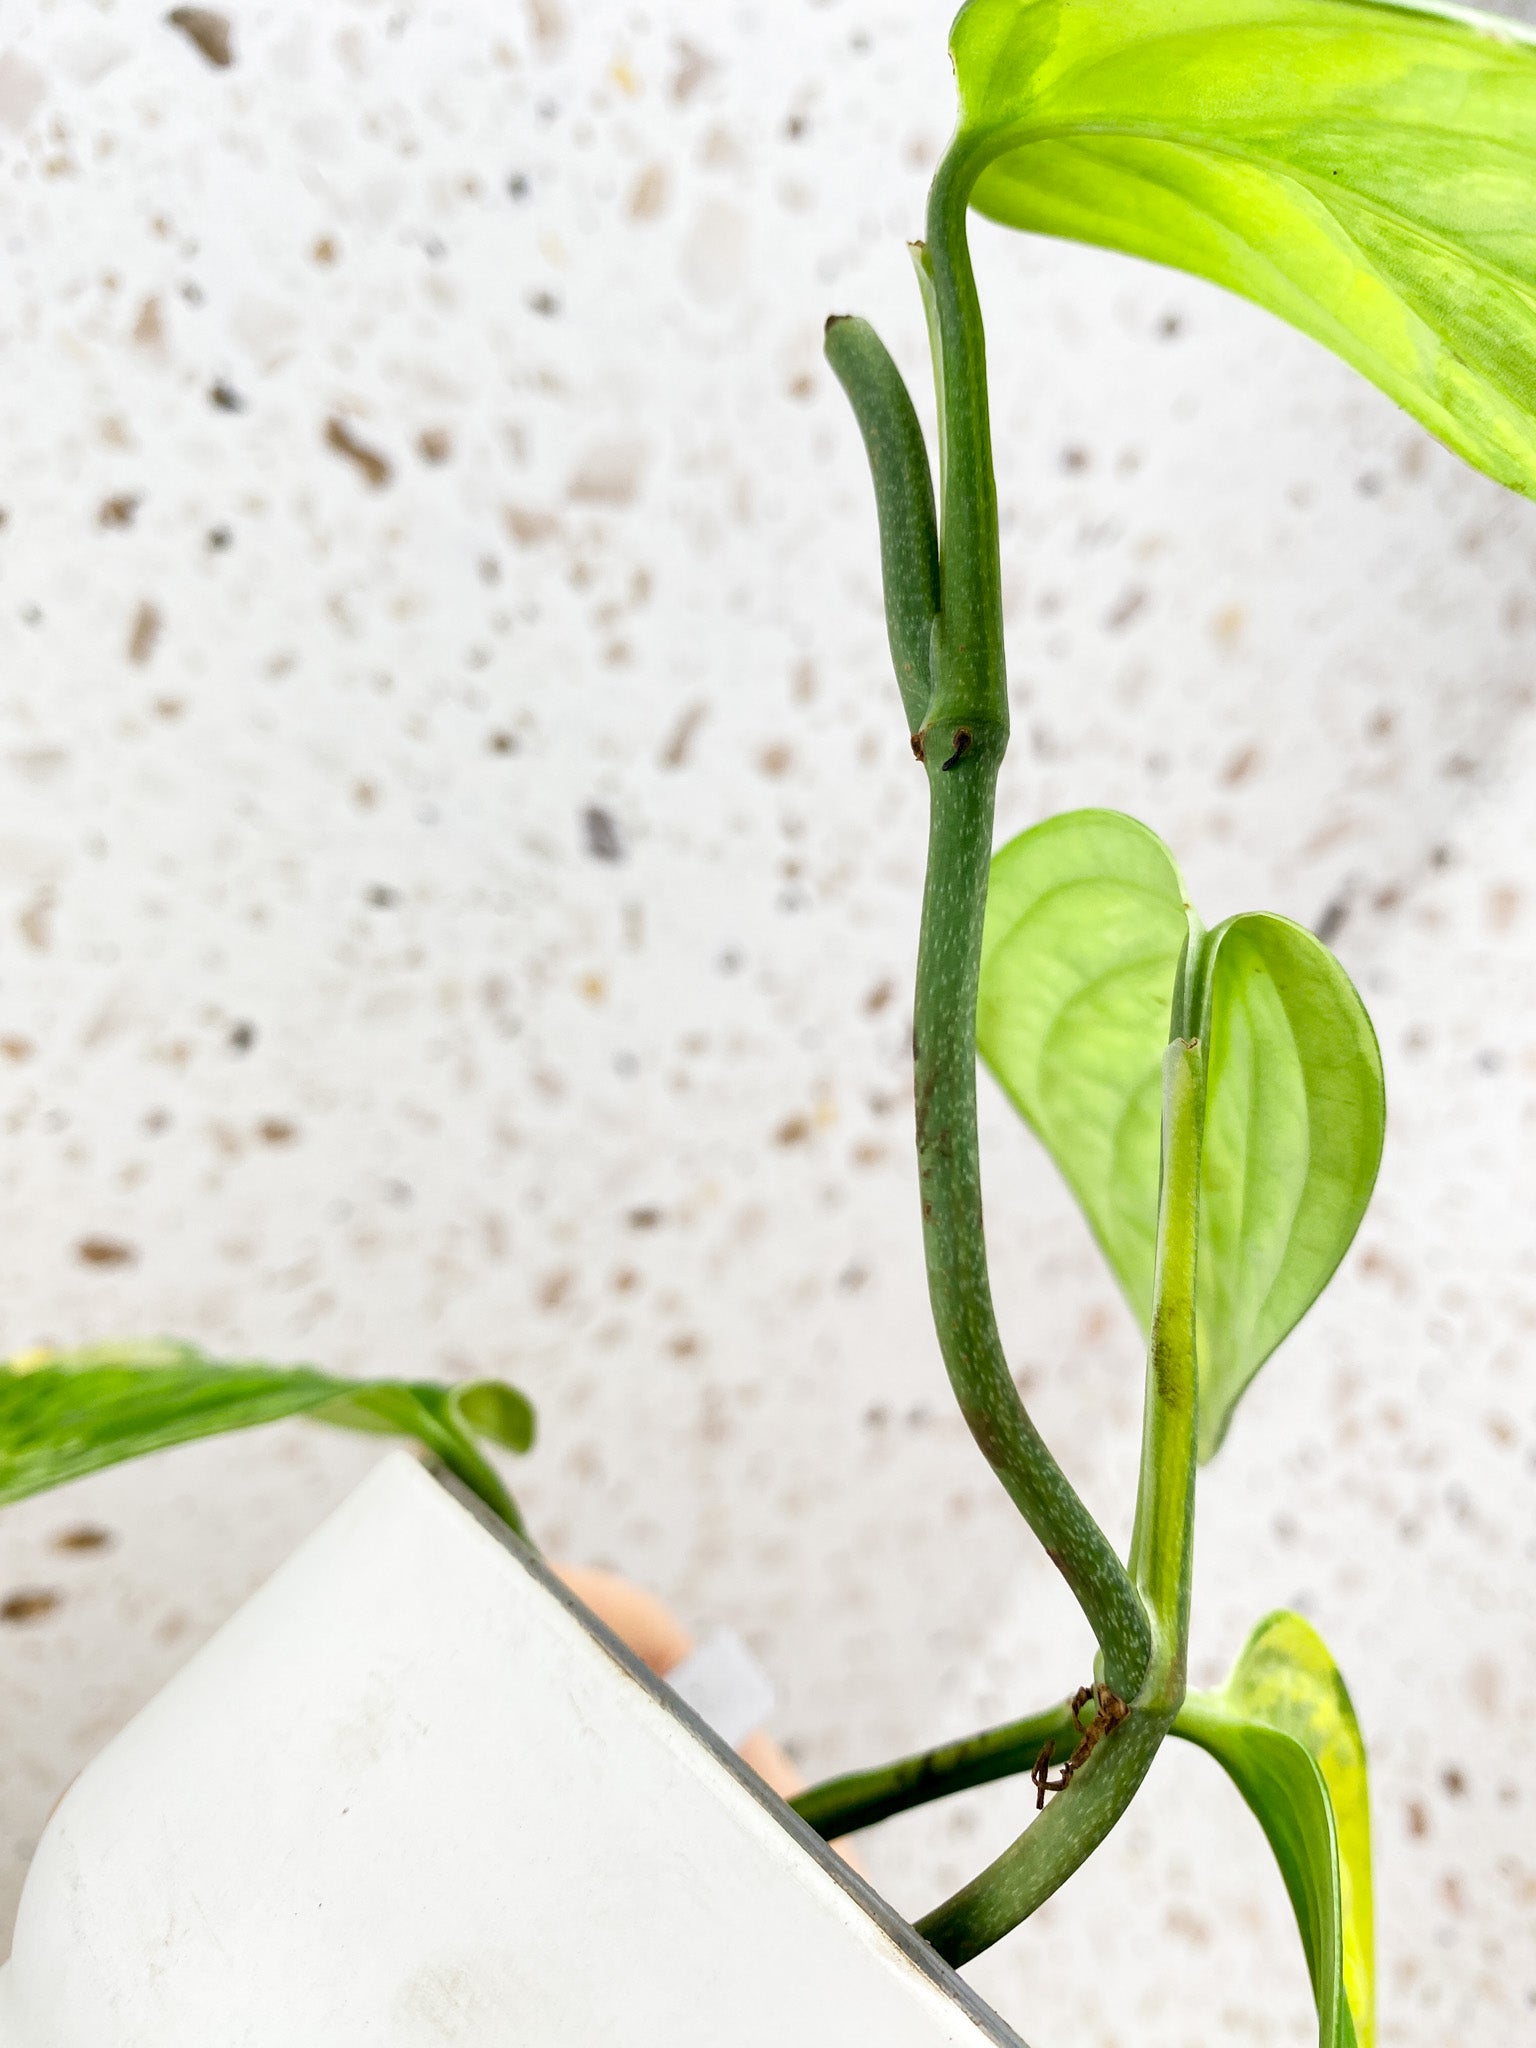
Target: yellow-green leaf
1086, 921
63, 1414
1284, 1729
1086, 925
1295, 1116
1365, 171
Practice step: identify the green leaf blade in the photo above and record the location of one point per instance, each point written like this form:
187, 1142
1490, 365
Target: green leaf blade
66, 1414
1284, 1729
1365, 171
493, 1409
1086, 922
1086, 925
1295, 1121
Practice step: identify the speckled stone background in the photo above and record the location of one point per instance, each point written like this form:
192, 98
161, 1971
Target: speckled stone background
458, 870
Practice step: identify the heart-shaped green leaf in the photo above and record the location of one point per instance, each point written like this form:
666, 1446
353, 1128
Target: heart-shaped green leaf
1086, 925
1285, 1731
1295, 1115
63, 1414
1366, 171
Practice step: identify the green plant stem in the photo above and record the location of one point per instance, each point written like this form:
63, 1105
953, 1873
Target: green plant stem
944, 1055
909, 532
972, 678
861, 1799
1083, 1812
1162, 1538
1058, 1842
840, 1806
963, 741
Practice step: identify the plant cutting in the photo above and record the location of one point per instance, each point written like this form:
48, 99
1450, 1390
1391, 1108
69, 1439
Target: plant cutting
1214, 1099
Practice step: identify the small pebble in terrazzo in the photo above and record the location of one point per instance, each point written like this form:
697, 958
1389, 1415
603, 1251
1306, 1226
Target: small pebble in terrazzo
149, 328
374, 468
679, 745
30, 1604
208, 32
529, 528
105, 1251
602, 834
144, 633
118, 511
35, 920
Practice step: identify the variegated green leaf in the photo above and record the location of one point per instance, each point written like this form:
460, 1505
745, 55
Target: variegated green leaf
63, 1414
1365, 171
1284, 1729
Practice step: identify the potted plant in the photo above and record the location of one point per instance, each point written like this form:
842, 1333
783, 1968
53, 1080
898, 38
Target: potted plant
1213, 1098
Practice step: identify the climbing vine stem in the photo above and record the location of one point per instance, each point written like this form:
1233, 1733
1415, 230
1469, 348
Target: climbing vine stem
961, 744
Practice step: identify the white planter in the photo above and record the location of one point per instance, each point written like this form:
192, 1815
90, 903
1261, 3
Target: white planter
412, 1794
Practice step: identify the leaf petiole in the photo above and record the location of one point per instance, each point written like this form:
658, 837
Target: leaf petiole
839, 1806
